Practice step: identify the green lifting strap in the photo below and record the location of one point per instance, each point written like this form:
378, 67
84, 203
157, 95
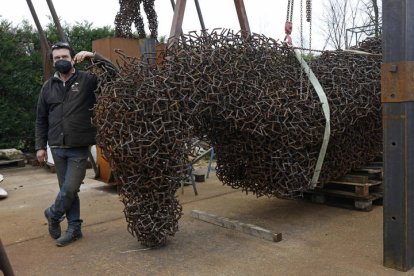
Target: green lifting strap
325, 107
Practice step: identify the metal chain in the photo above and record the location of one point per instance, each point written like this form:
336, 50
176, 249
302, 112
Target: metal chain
309, 19
289, 14
301, 45
288, 11
308, 10
301, 23
310, 50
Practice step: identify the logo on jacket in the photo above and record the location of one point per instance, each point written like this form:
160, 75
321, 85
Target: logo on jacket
75, 87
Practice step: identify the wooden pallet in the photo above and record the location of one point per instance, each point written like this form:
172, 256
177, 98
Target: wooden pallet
358, 190
12, 163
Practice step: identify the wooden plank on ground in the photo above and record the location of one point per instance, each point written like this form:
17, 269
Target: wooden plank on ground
246, 228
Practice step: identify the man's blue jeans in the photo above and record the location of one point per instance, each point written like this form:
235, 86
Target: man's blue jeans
70, 165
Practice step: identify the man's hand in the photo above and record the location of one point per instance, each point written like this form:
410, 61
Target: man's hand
82, 55
41, 156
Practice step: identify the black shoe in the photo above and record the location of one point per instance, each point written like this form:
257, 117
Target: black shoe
53, 225
69, 237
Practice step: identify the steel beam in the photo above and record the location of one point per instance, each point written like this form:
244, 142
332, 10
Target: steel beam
59, 28
173, 7
398, 123
200, 15
242, 15
177, 23
44, 44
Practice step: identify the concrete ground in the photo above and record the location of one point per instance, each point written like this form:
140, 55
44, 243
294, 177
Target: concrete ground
317, 239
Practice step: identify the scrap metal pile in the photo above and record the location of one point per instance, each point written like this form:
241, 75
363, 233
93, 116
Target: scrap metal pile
251, 100
371, 45
130, 13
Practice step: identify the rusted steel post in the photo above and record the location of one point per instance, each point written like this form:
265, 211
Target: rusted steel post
200, 15
177, 23
59, 28
44, 44
173, 7
242, 15
398, 123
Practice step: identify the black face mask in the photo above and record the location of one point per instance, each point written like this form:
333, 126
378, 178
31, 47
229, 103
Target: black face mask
63, 66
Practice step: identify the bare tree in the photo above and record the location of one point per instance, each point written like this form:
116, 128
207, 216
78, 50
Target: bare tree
372, 9
339, 16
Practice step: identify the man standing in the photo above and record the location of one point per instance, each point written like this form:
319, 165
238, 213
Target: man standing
64, 121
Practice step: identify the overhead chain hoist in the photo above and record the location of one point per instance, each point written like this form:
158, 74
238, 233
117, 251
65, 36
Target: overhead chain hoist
308, 11
289, 18
288, 24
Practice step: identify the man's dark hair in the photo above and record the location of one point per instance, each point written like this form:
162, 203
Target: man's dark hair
61, 45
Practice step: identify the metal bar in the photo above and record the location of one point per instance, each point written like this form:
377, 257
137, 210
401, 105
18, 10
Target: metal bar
346, 39
210, 161
242, 15
198, 158
4, 262
361, 27
44, 44
192, 178
173, 7
56, 20
200, 15
398, 125
42, 35
177, 22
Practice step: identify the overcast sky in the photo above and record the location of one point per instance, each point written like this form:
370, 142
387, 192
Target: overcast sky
265, 16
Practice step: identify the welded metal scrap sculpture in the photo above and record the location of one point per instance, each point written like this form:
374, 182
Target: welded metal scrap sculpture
251, 100
130, 13
144, 131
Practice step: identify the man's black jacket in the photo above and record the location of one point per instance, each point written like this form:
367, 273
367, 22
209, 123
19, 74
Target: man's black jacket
65, 111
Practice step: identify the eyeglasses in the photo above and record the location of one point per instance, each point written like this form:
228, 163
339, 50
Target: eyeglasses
60, 45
